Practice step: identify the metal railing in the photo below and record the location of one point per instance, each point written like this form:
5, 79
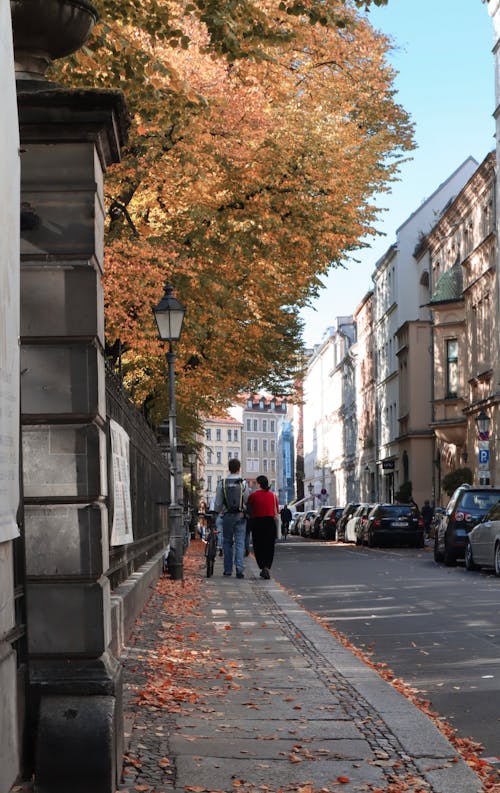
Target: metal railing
149, 485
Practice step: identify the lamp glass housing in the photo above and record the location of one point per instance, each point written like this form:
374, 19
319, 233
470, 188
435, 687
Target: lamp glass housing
483, 423
169, 316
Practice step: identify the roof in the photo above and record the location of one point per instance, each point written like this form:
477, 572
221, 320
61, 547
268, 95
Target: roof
222, 420
450, 286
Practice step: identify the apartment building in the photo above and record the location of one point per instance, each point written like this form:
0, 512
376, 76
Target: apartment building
329, 417
461, 253
401, 290
264, 441
223, 437
364, 349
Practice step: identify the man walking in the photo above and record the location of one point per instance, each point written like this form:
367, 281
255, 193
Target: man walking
231, 500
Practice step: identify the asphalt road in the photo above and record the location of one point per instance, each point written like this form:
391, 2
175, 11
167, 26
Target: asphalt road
437, 628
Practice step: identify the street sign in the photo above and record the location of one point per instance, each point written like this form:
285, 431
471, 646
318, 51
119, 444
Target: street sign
484, 457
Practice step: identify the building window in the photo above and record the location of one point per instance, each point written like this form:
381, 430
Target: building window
255, 445
273, 426
273, 465
264, 445
451, 368
264, 425
249, 444
273, 446
218, 435
209, 457
208, 435
255, 425
235, 435
219, 458
209, 484
229, 435
264, 465
249, 425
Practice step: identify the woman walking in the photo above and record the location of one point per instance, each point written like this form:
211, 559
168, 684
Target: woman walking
263, 507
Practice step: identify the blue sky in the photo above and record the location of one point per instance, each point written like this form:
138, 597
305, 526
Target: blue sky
446, 82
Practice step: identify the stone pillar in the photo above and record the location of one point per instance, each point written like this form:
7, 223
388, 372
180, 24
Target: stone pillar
68, 138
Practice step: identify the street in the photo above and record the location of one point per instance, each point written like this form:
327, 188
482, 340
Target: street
437, 628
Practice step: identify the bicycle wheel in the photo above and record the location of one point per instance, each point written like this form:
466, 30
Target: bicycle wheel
210, 552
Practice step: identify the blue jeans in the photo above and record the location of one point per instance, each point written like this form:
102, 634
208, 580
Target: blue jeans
220, 530
235, 527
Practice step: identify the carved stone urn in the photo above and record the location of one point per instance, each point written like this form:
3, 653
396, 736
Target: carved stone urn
48, 29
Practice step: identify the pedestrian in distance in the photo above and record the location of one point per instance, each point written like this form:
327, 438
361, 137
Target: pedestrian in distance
286, 517
231, 500
263, 508
427, 513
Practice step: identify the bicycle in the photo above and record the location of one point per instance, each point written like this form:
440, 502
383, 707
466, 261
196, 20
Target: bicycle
210, 544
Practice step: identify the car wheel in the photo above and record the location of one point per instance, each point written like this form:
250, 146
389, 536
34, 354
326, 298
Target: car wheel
450, 558
438, 555
497, 559
469, 559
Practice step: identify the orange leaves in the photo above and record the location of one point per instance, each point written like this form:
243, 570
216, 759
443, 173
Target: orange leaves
243, 184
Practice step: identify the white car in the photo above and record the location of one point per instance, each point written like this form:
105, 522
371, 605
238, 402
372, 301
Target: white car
354, 524
483, 542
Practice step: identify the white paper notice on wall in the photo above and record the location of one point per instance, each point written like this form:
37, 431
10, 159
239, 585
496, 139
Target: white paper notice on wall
122, 530
9, 290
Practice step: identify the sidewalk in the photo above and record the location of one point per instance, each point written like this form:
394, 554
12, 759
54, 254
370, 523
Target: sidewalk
232, 686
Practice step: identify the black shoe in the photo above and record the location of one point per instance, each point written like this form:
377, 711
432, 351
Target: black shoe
265, 573
247, 551
227, 573
240, 575
220, 551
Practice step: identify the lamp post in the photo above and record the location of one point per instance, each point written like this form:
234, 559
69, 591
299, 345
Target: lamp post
310, 487
483, 422
192, 522
169, 315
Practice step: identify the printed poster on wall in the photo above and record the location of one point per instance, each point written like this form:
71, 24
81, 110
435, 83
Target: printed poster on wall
9, 290
121, 532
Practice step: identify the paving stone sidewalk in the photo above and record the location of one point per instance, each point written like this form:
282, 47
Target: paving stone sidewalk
291, 708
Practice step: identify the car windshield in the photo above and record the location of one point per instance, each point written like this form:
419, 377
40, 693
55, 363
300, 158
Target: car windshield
479, 503
397, 511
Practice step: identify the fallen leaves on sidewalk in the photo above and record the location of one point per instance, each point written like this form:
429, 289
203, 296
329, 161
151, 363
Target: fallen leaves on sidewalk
467, 747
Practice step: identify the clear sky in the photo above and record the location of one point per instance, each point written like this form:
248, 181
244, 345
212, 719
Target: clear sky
443, 54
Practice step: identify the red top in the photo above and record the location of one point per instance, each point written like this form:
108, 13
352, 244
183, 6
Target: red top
262, 504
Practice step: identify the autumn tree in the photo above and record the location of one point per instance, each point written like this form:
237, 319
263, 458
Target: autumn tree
260, 133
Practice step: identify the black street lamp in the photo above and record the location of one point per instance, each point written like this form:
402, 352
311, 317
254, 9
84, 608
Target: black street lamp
483, 422
310, 487
169, 315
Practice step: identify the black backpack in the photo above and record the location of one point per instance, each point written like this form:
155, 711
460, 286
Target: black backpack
232, 491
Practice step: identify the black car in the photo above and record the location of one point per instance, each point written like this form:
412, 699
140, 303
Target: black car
318, 520
328, 527
348, 512
468, 504
393, 524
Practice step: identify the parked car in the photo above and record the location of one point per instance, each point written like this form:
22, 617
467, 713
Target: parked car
438, 514
482, 548
328, 528
296, 523
348, 511
318, 520
355, 525
466, 508
394, 524
307, 523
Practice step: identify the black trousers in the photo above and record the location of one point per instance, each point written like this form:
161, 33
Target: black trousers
263, 538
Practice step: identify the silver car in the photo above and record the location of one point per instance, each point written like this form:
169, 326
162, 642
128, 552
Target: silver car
483, 542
